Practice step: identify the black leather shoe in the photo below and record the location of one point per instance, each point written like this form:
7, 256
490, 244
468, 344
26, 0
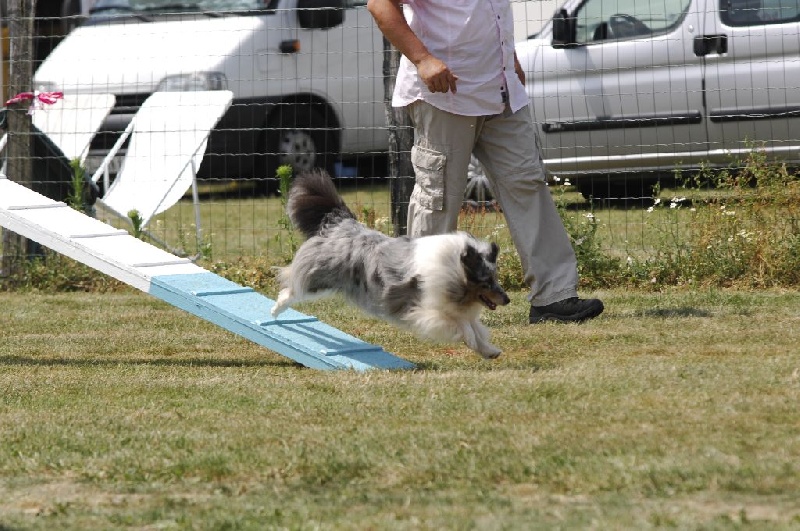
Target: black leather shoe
572, 310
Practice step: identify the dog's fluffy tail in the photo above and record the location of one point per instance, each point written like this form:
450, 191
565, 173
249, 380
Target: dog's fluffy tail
314, 202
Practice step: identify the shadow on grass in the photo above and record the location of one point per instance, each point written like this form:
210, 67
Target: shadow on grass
421, 366
159, 362
665, 313
479, 365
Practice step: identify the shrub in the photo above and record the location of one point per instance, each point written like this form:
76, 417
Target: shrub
745, 231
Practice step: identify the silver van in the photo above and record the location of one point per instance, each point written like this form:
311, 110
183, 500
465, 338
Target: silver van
624, 92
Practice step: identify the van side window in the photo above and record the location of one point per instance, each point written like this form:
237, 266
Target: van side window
758, 12
599, 20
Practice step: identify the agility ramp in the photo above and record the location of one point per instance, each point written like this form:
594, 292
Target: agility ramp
183, 284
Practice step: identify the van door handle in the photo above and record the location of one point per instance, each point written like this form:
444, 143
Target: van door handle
706, 44
291, 46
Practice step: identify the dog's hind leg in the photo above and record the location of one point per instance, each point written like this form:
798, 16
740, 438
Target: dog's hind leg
294, 295
284, 300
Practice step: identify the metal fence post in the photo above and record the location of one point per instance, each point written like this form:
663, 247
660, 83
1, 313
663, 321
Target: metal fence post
401, 138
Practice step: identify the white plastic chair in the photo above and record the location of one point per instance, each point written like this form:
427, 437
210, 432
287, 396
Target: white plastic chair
72, 122
168, 138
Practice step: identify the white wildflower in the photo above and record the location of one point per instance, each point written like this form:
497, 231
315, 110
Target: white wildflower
497, 229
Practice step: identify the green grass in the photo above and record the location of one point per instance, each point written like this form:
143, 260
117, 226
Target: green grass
249, 226
672, 410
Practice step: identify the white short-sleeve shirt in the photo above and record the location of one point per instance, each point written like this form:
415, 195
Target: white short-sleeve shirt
475, 39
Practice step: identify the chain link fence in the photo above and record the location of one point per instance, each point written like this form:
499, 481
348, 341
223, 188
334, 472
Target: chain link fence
626, 95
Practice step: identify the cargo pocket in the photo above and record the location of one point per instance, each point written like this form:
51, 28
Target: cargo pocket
429, 169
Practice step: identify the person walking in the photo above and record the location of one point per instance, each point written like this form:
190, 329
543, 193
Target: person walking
464, 89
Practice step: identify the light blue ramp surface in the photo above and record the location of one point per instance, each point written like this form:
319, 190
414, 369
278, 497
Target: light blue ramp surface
184, 284
243, 311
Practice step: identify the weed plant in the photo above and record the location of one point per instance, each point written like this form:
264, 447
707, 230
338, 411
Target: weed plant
595, 266
75, 198
746, 233
284, 223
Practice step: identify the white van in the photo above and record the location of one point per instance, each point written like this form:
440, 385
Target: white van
306, 75
626, 91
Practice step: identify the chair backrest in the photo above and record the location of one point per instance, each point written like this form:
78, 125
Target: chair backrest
167, 144
72, 122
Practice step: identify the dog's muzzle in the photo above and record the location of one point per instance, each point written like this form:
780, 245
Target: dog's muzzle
494, 299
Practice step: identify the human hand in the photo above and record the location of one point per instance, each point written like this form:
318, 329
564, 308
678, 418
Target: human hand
436, 75
518, 69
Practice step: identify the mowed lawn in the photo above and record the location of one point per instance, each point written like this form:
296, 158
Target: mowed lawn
678, 409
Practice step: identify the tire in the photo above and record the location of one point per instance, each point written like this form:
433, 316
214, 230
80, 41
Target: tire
297, 136
479, 189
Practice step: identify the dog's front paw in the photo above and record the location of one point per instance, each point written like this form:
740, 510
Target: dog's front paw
490, 352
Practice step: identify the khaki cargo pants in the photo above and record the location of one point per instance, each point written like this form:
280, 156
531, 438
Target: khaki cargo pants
506, 146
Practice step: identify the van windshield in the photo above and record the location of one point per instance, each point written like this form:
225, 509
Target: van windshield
143, 9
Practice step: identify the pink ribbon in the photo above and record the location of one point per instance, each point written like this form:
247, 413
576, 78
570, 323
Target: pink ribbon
37, 99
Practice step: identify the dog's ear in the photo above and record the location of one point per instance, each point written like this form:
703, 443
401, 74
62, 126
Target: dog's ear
493, 254
470, 257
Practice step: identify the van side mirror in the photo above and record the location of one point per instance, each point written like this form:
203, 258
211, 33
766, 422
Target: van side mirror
320, 14
564, 30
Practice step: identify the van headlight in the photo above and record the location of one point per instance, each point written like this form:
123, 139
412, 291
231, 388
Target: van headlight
193, 81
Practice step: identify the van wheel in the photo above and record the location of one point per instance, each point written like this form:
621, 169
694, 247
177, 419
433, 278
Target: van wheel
298, 136
479, 188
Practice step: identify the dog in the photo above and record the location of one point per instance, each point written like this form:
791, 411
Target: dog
434, 286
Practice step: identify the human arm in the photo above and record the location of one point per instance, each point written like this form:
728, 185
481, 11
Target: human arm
388, 15
518, 69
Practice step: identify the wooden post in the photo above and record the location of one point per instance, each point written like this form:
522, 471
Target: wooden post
401, 138
18, 149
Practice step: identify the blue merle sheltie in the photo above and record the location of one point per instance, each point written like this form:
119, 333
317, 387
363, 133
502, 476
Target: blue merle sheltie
435, 286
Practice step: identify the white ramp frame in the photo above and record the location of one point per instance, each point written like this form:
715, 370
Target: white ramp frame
184, 284
167, 140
